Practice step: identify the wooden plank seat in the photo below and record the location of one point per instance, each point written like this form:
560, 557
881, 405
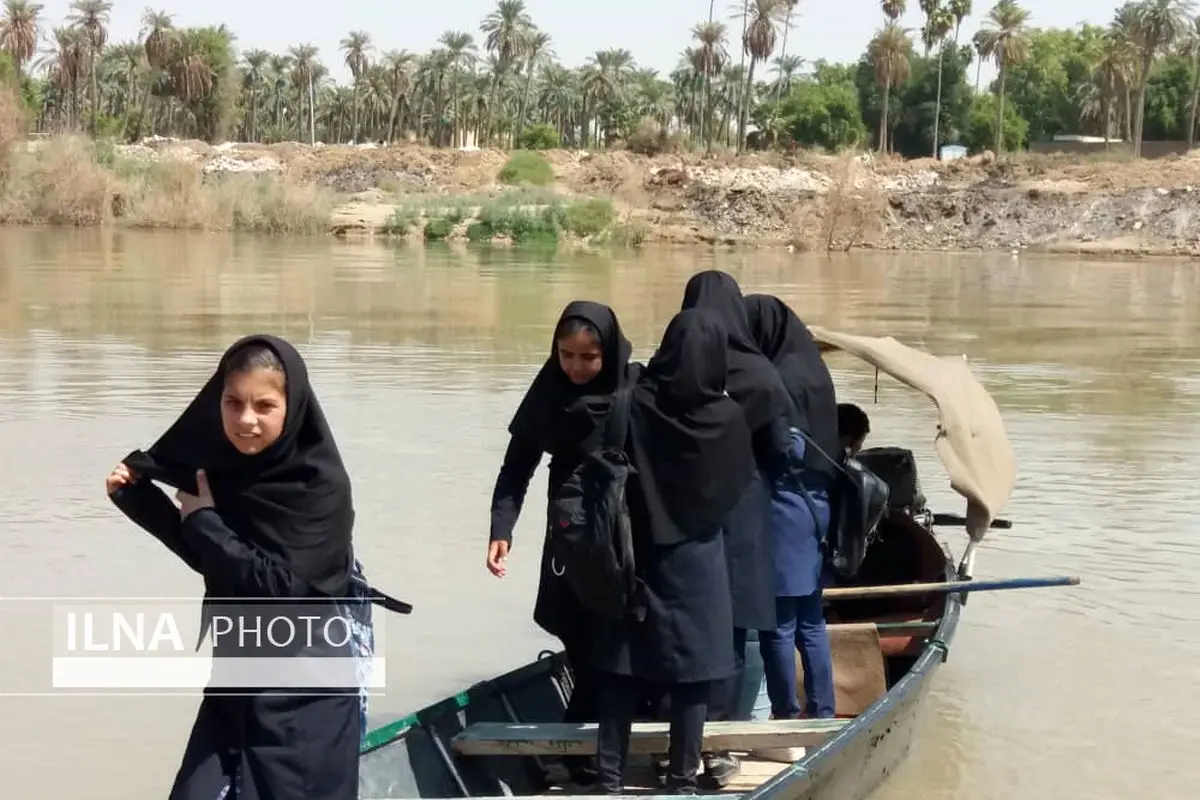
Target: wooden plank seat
902, 634
566, 738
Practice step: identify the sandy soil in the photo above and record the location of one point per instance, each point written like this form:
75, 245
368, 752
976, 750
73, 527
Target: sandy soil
1059, 203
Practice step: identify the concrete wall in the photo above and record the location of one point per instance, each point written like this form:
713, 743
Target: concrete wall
1149, 149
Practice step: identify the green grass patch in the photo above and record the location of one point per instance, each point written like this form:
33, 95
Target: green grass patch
589, 217
522, 225
438, 229
526, 167
630, 234
479, 232
526, 215
402, 221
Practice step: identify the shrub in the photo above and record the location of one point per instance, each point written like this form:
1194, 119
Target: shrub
589, 217
540, 137
649, 139
479, 232
12, 123
527, 167
59, 184
438, 229
401, 221
522, 225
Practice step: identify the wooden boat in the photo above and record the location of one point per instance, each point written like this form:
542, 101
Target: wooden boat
504, 736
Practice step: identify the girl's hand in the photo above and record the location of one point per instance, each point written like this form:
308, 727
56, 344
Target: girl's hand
189, 503
120, 476
497, 555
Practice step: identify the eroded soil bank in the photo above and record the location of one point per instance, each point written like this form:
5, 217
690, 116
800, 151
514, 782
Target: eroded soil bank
1061, 203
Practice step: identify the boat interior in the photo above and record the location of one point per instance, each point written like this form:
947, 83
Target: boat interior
504, 736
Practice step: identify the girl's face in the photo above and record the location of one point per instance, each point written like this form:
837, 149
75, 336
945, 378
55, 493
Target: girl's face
579, 357
253, 409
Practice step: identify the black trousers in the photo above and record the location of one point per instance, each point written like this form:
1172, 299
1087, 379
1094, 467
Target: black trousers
620, 697
272, 747
727, 694
583, 705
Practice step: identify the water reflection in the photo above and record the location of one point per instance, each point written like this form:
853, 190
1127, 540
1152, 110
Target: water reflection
420, 355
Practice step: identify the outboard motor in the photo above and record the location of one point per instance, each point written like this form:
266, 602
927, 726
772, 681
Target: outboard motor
898, 469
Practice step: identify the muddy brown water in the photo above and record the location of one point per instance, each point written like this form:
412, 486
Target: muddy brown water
420, 357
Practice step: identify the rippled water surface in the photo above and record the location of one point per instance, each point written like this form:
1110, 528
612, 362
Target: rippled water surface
420, 358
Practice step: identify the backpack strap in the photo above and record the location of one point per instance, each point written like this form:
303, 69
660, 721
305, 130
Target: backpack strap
617, 426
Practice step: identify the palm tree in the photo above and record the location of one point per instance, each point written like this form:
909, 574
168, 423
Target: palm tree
19, 31
304, 76
356, 46
1110, 77
505, 32
460, 55
66, 65
536, 49
1192, 48
983, 52
961, 9
255, 78
191, 73
91, 17
1156, 26
759, 42
398, 65
938, 22
893, 9
785, 68
710, 59
889, 53
1007, 39
159, 39
603, 82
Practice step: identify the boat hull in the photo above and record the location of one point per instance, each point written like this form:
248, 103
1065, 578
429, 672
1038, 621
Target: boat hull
854, 762
414, 757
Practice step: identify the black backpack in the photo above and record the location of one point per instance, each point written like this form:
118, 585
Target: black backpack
591, 542
858, 499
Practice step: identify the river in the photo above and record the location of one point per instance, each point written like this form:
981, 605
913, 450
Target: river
420, 357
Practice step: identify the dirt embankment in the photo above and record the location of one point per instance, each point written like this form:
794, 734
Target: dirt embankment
1066, 203
815, 202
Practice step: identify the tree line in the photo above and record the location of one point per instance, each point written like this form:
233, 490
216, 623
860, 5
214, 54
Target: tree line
502, 85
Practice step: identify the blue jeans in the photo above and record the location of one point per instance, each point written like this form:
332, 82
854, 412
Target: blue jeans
801, 625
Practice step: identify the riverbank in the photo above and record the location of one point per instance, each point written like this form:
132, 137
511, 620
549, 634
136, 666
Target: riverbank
805, 201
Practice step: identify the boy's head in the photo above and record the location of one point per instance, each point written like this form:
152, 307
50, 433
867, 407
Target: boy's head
853, 427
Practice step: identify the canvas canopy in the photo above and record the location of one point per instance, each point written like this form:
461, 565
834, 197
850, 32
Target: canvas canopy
971, 440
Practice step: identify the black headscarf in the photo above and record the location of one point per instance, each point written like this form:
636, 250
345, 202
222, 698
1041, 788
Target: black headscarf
292, 500
559, 414
752, 381
785, 339
691, 443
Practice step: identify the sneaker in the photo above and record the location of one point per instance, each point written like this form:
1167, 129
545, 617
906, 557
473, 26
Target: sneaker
661, 765
782, 755
721, 768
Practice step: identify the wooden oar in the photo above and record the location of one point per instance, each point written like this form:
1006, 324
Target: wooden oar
946, 587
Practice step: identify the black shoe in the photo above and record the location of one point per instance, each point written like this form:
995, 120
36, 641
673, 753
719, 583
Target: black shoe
584, 777
688, 789
721, 768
